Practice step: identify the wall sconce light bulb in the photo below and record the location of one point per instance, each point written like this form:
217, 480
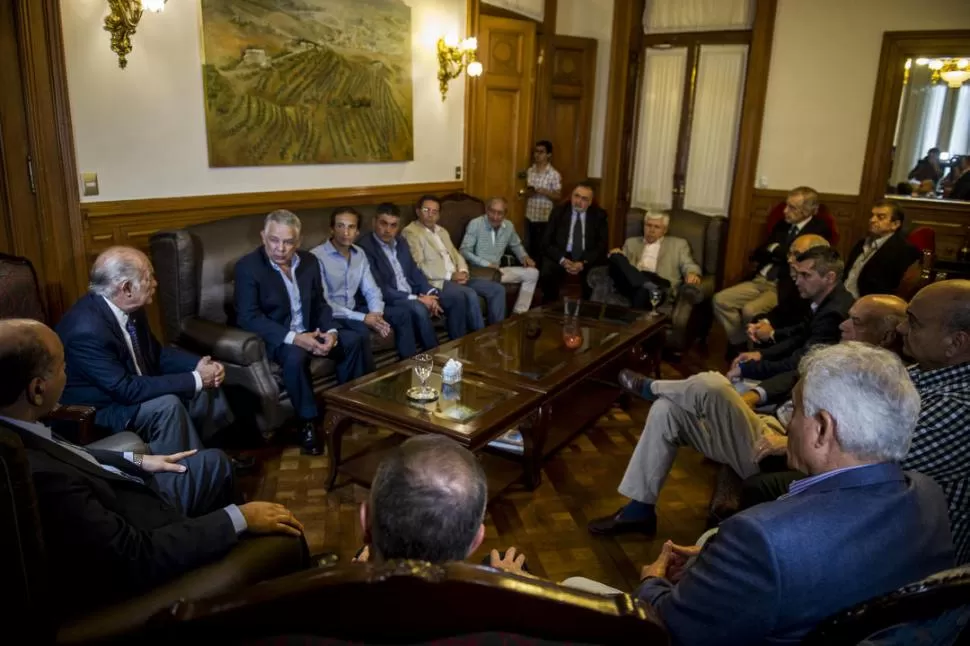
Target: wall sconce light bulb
936, 64
922, 61
154, 6
451, 40
963, 62
469, 44
474, 69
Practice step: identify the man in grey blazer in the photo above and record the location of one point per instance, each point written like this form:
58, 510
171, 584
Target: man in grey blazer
655, 262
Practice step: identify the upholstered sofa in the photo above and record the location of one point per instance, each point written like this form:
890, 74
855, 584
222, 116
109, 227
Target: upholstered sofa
194, 267
690, 320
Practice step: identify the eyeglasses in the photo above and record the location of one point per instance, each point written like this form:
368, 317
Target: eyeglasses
428, 211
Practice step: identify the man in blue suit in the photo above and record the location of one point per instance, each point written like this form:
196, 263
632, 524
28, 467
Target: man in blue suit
279, 296
403, 283
857, 527
115, 363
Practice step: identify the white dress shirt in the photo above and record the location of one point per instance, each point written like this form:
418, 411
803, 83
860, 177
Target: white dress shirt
297, 325
122, 317
650, 256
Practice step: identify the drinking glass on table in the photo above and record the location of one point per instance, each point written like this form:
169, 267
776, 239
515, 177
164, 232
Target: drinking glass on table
423, 364
655, 297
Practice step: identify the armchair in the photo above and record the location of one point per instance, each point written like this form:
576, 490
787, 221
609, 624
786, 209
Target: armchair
690, 320
28, 579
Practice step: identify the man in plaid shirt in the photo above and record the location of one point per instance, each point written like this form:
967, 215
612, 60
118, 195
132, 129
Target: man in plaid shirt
545, 189
936, 334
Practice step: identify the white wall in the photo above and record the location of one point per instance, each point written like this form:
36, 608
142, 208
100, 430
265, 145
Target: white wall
824, 60
592, 19
142, 129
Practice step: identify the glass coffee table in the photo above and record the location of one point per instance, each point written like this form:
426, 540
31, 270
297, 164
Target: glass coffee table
549, 372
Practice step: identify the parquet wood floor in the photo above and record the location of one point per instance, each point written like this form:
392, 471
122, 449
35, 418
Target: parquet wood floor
548, 524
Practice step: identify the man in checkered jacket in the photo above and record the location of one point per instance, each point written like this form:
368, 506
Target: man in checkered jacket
936, 334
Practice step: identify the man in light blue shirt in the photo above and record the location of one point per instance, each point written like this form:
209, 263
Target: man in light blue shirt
347, 280
486, 240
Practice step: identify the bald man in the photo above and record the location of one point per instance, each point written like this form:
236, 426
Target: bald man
115, 363
706, 412
936, 334
117, 524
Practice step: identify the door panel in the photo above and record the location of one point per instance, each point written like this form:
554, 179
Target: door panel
564, 99
501, 114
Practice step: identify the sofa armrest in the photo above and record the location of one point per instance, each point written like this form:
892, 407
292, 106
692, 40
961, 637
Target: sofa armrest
253, 559
76, 423
485, 273
221, 342
121, 442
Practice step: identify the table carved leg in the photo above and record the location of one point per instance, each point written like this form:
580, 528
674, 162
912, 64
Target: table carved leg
535, 430
335, 424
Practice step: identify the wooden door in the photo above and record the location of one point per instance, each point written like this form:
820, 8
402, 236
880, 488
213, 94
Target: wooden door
564, 103
502, 108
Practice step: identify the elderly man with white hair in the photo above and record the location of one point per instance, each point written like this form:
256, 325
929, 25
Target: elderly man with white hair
168, 396
653, 264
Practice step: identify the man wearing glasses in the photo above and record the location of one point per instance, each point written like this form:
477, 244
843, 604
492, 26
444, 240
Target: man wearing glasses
435, 254
488, 238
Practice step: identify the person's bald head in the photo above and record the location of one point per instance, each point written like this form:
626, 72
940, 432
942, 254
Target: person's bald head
803, 243
873, 319
936, 332
124, 276
32, 365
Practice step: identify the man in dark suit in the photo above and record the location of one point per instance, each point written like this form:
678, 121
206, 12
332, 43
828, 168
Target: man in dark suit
115, 363
961, 187
117, 524
279, 296
403, 283
877, 263
855, 528
736, 306
575, 241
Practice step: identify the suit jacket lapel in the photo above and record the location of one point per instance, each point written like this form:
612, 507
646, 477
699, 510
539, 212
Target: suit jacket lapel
111, 324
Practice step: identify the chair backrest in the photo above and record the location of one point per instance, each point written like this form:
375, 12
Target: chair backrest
704, 233
20, 296
22, 558
457, 210
194, 265
411, 602
778, 212
917, 603
923, 238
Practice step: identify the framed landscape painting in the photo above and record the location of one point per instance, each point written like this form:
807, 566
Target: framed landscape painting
307, 81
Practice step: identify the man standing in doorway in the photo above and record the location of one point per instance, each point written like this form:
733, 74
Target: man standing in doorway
544, 190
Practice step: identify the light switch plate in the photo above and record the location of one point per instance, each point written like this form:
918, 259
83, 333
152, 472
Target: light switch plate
457, 172
89, 181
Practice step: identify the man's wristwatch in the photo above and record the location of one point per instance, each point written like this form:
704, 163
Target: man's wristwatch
136, 459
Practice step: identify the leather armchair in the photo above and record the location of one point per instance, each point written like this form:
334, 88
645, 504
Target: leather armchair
690, 314
27, 577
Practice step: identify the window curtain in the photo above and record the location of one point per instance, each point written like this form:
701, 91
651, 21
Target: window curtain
665, 16
714, 129
960, 133
661, 97
535, 9
919, 127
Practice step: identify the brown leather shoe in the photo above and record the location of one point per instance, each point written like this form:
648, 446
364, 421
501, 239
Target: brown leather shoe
613, 526
636, 383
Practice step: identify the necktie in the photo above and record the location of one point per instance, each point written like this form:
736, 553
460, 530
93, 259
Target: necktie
136, 346
792, 233
577, 247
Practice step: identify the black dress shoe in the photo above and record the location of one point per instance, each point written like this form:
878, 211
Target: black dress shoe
633, 382
613, 526
243, 463
308, 440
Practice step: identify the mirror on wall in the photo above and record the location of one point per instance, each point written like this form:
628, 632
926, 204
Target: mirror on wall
931, 146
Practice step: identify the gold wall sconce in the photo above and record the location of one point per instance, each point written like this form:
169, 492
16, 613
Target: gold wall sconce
122, 20
455, 57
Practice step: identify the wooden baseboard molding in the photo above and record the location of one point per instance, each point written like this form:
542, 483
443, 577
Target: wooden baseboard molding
132, 222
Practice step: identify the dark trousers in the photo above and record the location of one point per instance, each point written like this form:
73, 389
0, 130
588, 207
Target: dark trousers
473, 309
206, 484
419, 323
400, 319
767, 486
295, 364
456, 312
534, 233
635, 284
170, 424
362, 333
551, 276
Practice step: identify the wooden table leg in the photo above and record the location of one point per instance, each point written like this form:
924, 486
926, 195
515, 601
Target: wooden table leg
335, 424
535, 430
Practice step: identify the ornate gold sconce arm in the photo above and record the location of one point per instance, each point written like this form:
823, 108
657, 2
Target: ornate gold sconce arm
453, 59
121, 22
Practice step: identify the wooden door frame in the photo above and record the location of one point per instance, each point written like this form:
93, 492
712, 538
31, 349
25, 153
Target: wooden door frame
897, 46
52, 143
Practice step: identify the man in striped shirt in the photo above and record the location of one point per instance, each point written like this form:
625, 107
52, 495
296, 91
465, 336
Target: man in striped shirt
486, 240
544, 190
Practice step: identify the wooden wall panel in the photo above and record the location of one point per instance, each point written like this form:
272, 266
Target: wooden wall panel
950, 220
